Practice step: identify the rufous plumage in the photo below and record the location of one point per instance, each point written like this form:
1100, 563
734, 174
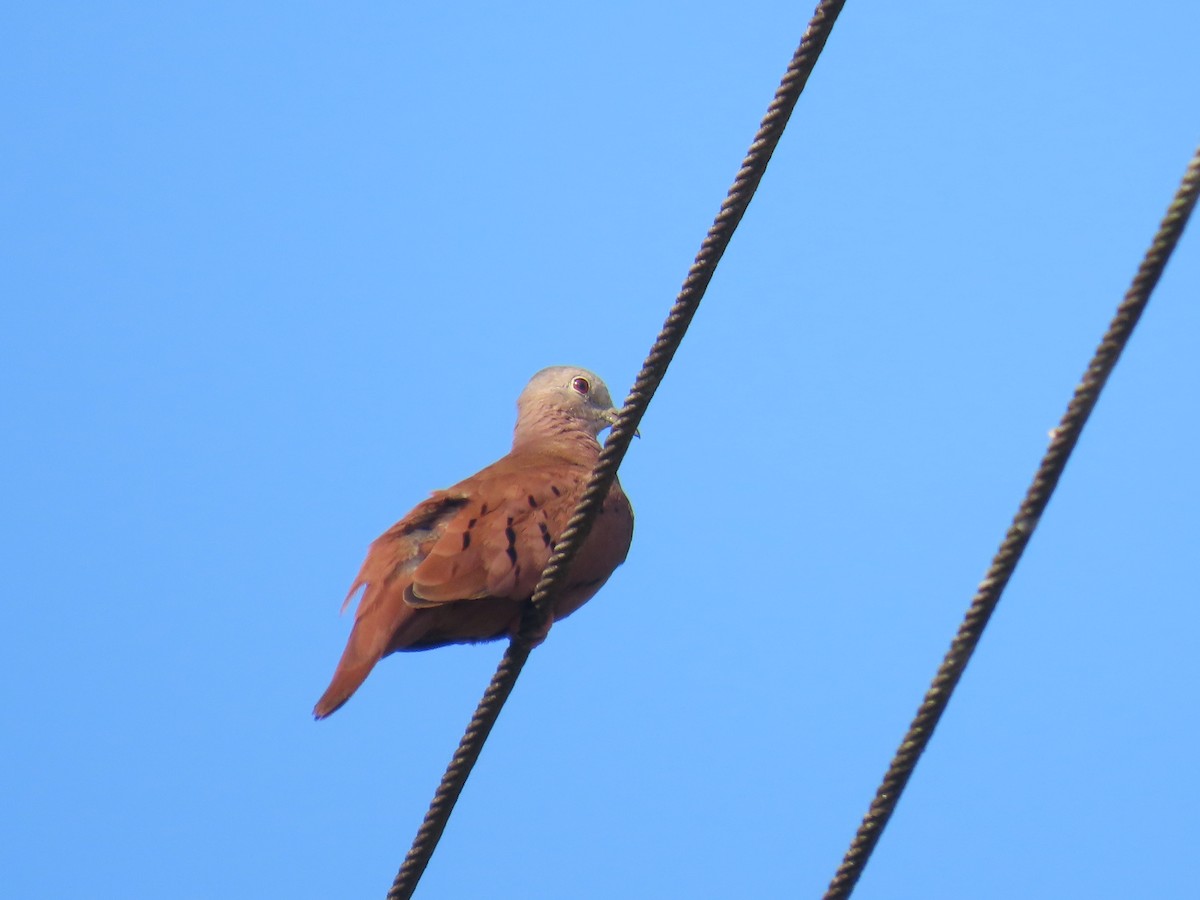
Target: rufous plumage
462, 565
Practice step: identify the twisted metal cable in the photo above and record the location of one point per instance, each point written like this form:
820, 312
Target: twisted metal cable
1062, 442
697, 281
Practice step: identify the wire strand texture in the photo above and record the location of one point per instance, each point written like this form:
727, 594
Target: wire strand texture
1062, 442
653, 369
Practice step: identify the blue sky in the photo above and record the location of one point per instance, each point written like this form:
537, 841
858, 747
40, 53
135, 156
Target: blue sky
273, 273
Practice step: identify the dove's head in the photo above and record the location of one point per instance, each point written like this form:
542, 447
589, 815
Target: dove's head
563, 399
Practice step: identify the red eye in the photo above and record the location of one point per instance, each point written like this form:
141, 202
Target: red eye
581, 386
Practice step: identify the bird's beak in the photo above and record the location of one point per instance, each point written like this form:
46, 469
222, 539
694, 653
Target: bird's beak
611, 417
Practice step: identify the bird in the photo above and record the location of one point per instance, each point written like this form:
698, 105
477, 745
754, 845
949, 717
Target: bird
462, 565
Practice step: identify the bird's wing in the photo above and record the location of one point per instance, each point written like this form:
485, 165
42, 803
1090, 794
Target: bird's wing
497, 543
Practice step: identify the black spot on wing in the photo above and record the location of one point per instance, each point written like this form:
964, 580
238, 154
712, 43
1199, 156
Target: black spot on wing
546, 539
430, 518
511, 534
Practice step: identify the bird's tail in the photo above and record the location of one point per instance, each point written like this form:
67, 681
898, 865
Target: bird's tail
349, 675
368, 640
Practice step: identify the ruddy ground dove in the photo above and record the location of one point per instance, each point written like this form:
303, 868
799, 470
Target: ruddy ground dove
461, 566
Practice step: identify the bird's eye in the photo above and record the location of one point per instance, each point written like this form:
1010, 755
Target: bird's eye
581, 386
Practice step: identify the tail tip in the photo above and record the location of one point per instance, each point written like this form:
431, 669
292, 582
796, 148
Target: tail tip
327, 706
